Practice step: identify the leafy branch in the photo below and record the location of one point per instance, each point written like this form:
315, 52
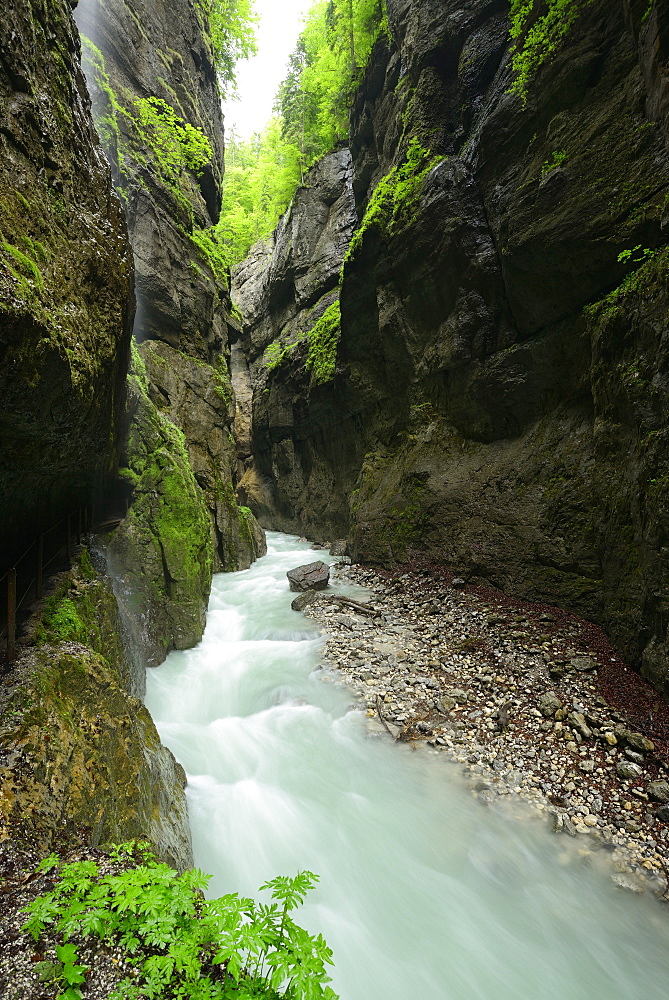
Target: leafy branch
183, 946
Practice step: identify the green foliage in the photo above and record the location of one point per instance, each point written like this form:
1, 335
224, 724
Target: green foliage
61, 621
71, 973
260, 179
312, 107
538, 28
396, 195
183, 946
636, 255
323, 340
643, 280
230, 25
175, 144
556, 159
324, 69
276, 353
208, 241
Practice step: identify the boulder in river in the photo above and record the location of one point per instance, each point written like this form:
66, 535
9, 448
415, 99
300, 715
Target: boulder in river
302, 600
311, 576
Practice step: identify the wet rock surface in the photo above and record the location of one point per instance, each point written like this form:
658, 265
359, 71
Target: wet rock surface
501, 389
311, 576
66, 302
492, 683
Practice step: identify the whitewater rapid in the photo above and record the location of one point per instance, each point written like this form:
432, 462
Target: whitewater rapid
424, 893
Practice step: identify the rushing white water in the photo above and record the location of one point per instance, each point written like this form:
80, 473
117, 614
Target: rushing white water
424, 892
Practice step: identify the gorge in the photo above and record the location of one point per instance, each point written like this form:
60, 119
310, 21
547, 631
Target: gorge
451, 351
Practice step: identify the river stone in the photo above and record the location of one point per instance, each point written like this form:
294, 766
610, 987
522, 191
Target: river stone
640, 742
658, 790
445, 704
300, 602
628, 770
663, 813
577, 722
583, 663
339, 548
549, 704
315, 575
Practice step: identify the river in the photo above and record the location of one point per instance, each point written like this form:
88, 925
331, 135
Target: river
424, 892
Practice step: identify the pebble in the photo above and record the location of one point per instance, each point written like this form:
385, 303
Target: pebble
441, 669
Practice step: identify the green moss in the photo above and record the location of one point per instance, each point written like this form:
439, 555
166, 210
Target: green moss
406, 518
223, 385
538, 28
206, 240
643, 280
61, 622
23, 266
395, 197
137, 369
276, 353
323, 339
84, 565
556, 159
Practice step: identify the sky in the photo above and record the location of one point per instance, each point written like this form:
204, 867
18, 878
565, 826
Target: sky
258, 79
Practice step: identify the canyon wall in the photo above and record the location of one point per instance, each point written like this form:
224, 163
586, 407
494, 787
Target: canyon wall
66, 300
80, 757
498, 396
150, 68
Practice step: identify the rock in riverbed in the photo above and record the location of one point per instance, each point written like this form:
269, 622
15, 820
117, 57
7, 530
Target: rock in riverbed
310, 576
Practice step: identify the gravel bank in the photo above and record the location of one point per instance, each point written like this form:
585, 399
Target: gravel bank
530, 700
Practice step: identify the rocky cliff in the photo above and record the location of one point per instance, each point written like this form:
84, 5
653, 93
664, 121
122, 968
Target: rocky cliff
497, 398
79, 754
65, 281
156, 102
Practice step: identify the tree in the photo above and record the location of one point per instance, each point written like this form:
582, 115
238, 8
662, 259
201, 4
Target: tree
231, 28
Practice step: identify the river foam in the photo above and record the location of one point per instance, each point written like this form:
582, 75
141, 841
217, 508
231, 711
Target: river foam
423, 891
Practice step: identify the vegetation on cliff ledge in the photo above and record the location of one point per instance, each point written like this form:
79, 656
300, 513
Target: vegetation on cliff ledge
538, 28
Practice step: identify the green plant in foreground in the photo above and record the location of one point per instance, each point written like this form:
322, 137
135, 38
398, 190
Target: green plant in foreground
183, 946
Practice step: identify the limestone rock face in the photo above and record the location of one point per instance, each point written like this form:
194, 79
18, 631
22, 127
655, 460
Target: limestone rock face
137, 49
65, 280
283, 288
501, 389
77, 750
161, 552
199, 399
184, 521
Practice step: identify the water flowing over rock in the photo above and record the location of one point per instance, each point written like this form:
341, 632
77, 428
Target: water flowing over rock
500, 392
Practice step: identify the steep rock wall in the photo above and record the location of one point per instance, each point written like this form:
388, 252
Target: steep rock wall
79, 754
65, 281
184, 521
288, 451
500, 396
